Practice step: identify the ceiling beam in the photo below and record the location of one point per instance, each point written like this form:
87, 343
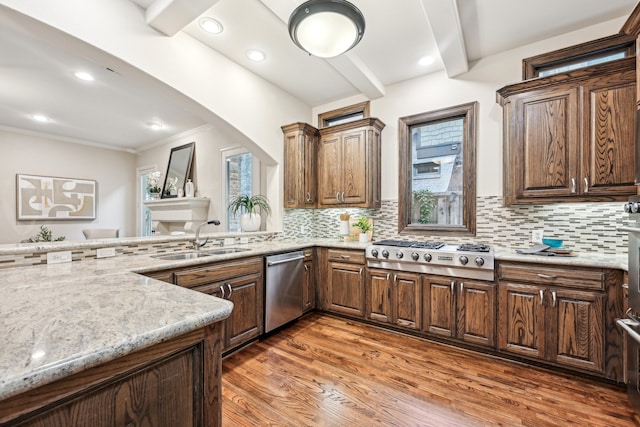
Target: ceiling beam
349, 65
171, 16
444, 20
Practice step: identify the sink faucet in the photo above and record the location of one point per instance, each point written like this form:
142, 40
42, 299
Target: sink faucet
196, 242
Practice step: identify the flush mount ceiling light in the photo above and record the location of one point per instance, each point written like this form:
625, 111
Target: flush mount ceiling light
211, 25
255, 55
82, 75
326, 28
154, 126
40, 118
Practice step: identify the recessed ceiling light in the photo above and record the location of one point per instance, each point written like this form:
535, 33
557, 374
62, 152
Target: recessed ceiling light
211, 25
154, 125
255, 55
426, 60
40, 118
82, 75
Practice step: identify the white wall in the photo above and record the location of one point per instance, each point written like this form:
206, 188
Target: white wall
437, 91
113, 170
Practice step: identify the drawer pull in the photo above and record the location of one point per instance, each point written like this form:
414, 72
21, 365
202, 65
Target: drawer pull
222, 291
573, 185
461, 287
453, 286
345, 256
338, 197
586, 185
554, 296
361, 270
547, 276
306, 267
541, 296
230, 290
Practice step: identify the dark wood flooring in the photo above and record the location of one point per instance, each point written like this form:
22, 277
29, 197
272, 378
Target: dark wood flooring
327, 371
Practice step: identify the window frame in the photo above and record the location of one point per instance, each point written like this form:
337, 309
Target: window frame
531, 67
324, 119
467, 112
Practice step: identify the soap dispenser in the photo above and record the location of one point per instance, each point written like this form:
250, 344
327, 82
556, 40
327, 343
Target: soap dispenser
189, 190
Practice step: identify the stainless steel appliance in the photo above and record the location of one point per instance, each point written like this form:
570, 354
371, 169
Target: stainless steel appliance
631, 324
283, 289
468, 261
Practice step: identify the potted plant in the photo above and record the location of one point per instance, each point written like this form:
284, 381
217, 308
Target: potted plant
153, 184
250, 208
364, 225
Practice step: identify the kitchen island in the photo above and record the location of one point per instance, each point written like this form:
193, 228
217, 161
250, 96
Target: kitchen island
85, 344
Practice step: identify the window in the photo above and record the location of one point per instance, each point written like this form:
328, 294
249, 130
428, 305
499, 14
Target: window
437, 182
594, 52
241, 176
344, 115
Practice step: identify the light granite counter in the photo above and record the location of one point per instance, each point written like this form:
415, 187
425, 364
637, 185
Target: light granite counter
59, 319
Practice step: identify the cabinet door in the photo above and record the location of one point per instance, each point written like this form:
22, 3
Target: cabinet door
330, 170
346, 288
609, 150
521, 323
310, 171
406, 293
544, 153
379, 296
309, 287
293, 169
354, 162
247, 318
438, 306
578, 329
476, 303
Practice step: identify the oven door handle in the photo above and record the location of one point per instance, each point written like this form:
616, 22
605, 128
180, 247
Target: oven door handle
626, 325
629, 229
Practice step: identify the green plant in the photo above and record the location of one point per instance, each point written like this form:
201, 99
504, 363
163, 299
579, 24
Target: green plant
45, 235
153, 182
363, 224
250, 204
426, 202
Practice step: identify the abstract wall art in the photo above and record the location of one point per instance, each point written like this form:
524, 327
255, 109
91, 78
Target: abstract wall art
50, 198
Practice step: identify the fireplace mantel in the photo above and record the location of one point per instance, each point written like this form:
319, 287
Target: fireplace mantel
178, 214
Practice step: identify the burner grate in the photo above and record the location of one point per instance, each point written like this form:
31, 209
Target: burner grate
406, 244
427, 245
474, 248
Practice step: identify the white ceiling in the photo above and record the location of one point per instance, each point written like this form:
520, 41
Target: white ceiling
114, 112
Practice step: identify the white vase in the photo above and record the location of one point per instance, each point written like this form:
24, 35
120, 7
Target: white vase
189, 188
250, 222
364, 237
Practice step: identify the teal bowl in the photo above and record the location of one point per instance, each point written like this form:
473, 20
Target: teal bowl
554, 243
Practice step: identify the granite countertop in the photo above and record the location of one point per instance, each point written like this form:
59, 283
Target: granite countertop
59, 319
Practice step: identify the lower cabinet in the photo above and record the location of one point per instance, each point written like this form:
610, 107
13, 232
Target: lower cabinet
343, 289
394, 298
309, 285
459, 308
553, 314
241, 282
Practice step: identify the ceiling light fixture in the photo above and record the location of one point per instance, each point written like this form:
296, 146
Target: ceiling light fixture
326, 28
154, 125
255, 55
82, 75
211, 25
40, 118
426, 60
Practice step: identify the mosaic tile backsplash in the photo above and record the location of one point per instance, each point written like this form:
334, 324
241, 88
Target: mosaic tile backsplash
589, 227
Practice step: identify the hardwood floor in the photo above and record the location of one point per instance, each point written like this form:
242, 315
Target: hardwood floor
327, 371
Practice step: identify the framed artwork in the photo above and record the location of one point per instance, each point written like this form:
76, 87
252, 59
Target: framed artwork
50, 198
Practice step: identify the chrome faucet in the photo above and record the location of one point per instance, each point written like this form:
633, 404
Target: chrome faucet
196, 242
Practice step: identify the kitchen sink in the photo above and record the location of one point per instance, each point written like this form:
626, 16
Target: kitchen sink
182, 255
223, 251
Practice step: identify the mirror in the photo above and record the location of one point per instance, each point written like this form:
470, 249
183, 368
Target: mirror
178, 170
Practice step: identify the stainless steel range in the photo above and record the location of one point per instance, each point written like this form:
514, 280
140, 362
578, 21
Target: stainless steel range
465, 261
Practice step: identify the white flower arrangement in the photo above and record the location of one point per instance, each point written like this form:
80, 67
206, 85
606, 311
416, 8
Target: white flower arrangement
153, 182
172, 184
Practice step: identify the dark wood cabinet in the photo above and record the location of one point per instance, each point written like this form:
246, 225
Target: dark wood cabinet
553, 314
300, 166
241, 282
309, 285
393, 297
459, 308
343, 282
571, 137
349, 164
174, 383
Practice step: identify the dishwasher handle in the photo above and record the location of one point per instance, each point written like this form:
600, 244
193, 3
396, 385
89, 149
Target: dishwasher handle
282, 261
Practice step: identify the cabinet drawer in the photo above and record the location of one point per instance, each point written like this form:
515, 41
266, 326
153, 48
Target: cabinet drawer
218, 272
550, 275
165, 276
354, 257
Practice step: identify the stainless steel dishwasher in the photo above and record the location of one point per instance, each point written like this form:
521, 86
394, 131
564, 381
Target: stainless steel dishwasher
283, 289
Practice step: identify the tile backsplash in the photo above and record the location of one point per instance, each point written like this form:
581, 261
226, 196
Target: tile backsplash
583, 226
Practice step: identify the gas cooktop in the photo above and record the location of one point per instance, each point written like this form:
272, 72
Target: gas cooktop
468, 260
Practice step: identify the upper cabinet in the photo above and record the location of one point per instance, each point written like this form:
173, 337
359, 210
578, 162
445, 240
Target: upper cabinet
570, 137
300, 166
349, 164
337, 166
